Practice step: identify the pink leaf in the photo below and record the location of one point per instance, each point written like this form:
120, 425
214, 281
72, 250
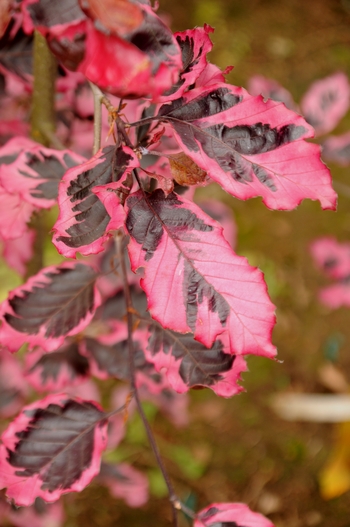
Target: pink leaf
194, 44
16, 51
189, 364
15, 213
125, 482
337, 149
57, 302
230, 515
40, 514
194, 281
250, 147
212, 75
10, 151
84, 223
146, 62
18, 252
13, 387
40, 448
109, 355
270, 89
174, 405
326, 102
337, 295
36, 174
332, 257
47, 16
52, 372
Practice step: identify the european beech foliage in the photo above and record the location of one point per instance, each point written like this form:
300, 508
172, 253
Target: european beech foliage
183, 309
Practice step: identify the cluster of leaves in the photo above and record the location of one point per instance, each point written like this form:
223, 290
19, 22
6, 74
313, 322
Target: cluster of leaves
189, 309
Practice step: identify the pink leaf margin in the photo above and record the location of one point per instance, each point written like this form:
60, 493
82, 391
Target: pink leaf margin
239, 513
14, 339
24, 490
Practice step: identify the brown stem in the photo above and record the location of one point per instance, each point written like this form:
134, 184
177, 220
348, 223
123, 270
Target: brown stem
43, 121
97, 117
175, 503
43, 125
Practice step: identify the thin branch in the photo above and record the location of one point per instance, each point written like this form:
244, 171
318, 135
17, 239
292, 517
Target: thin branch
98, 95
176, 504
43, 125
146, 120
43, 119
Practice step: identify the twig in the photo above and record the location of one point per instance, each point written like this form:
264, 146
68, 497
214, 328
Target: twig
98, 95
43, 122
176, 504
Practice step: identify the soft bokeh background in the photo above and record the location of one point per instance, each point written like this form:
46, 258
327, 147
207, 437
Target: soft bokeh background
238, 449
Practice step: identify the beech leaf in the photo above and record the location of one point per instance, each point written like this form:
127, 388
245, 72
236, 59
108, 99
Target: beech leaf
18, 251
230, 515
51, 448
57, 302
194, 44
109, 355
84, 223
13, 387
189, 364
194, 281
249, 146
36, 174
15, 213
326, 102
125, 482
337, 149
16, 51
52, 372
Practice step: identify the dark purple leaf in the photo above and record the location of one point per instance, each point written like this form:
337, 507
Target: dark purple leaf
84, 223
13, 387
53, 447
46, 14
230, 515
195, 44
114, 307
16, 51
109, 355
193, 280
251, 147
52, 372
36, 174
337, 149
188, 363
57, 302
